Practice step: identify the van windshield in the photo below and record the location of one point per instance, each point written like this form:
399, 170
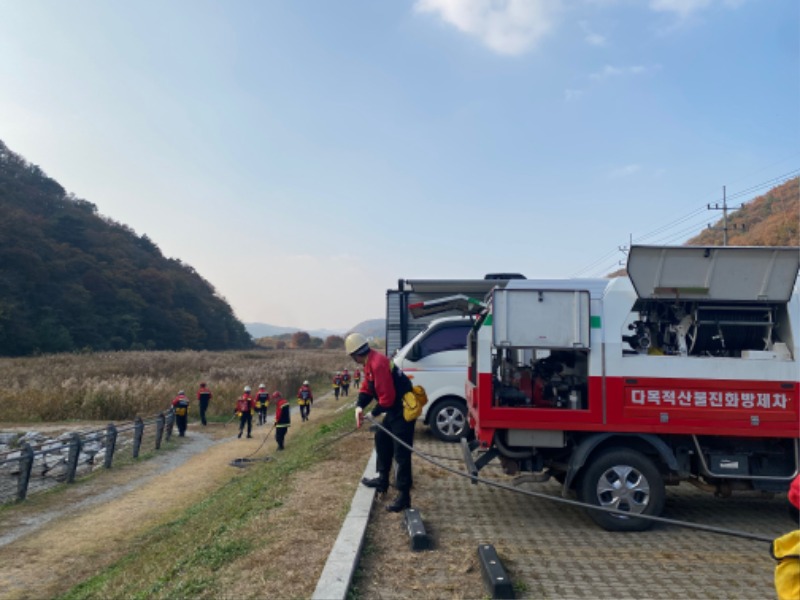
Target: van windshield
443, 339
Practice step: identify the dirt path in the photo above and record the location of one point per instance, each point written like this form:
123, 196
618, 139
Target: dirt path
71, 534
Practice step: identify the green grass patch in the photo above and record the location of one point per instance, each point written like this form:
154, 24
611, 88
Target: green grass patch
190, 555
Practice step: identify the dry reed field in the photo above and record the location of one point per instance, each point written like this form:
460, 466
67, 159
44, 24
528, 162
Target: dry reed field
119, 386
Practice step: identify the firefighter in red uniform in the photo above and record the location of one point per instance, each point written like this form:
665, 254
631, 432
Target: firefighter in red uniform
337, 384
244, 408
378, 385
282, 418
203, 398
345, 383
786, 550
304, 399
262, 404
357, 378
180, 405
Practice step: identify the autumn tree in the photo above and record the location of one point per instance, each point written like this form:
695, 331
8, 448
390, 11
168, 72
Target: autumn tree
334, 342
301, 339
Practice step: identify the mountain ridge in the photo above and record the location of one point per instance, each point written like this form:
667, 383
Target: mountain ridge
374, 328
75, 280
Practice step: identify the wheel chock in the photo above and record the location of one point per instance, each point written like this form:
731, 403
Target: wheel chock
412, 520
495, 578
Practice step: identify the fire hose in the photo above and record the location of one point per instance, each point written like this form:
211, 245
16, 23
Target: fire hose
567, 501
239, 462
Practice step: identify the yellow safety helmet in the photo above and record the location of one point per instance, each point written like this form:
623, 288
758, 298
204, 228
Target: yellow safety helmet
356, 344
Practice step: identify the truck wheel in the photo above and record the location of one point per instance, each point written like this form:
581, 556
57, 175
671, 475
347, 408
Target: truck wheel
625, 480
448, 421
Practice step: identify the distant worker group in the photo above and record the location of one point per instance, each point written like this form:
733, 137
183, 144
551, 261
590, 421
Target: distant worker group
247, 405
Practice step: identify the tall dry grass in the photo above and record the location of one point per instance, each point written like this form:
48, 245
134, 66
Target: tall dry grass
119, 386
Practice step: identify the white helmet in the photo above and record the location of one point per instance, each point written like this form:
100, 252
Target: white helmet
305, 382
247, 388
356, 344
261, 386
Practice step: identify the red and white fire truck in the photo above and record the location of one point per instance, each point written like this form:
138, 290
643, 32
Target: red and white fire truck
685, 370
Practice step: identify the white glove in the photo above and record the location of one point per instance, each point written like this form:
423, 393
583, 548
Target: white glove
359, 416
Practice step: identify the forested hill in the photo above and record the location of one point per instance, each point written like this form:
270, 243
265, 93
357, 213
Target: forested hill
71, 279
769, 220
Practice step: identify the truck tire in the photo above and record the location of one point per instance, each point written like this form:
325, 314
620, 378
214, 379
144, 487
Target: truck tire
448, 419
626, 480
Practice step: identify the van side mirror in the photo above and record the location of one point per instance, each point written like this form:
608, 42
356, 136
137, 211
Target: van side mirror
414, 353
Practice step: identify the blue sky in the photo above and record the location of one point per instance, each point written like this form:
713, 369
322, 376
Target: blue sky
304, 155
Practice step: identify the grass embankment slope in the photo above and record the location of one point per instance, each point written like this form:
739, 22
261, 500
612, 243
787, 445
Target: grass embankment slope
266, 532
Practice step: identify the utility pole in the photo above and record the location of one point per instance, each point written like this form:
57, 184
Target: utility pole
625, 249
724, 209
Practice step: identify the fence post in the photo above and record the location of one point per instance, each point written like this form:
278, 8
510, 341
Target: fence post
72, 458
111, 443
138, 433
25, 466
159, 429
170, 422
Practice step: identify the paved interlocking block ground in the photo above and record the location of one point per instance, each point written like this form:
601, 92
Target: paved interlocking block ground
556, 551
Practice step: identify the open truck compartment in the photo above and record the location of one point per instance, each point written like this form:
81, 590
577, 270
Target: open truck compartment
727, 301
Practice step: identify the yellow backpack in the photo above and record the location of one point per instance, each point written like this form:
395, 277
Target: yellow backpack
786, 550
413, 402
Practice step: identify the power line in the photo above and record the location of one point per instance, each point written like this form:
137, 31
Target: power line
695, 227
775, 181
589, 267
696, 212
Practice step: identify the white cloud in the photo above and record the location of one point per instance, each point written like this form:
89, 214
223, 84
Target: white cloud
683, 8
572, 95
592, 38
625, 171
508, 27
610, 71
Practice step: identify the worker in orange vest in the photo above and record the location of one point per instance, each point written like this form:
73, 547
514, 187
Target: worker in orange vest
337, 384
180, 405
244, 408
203, 398
262, 404
283, 418
345, 383
304, 400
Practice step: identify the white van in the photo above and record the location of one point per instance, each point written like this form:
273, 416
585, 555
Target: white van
436, 359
